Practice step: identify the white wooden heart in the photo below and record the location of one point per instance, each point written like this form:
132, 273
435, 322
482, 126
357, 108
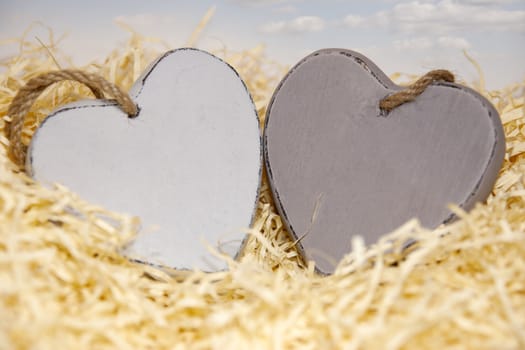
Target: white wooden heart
188, 165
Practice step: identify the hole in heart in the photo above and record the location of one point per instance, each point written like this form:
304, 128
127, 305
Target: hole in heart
383, 112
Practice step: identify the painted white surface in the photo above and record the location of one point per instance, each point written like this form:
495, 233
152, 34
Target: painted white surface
188, 165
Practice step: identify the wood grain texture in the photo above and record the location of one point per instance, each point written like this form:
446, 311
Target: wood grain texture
188, 165
329, 151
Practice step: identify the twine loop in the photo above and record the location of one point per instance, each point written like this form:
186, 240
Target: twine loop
412, 91
28, 94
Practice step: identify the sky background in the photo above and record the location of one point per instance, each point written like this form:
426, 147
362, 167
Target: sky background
400, 36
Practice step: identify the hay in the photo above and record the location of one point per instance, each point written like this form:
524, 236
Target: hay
63, 283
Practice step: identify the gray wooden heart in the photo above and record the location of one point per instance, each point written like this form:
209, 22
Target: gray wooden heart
330, 151
188, 165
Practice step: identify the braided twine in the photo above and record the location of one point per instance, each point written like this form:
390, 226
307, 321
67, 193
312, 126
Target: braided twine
414, 90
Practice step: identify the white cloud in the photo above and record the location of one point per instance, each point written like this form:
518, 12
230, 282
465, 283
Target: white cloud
147, 21
446, 16
453, 42
413, 43
486, 2
420, 43
297, 25
353, 21
260, 2
286, 9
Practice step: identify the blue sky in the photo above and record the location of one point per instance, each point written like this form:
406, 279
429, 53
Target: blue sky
406, 36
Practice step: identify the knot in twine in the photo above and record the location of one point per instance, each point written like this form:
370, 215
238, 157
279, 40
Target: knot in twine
412, 91
28, 94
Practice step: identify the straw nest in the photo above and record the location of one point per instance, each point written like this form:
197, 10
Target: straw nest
63, 283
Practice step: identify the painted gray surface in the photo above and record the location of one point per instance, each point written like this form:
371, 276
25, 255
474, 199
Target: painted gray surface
189, 165
327, 149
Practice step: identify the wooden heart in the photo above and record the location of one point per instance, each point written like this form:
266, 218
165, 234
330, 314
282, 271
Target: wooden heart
188, 165
330, 151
